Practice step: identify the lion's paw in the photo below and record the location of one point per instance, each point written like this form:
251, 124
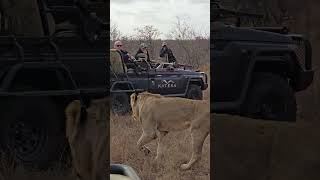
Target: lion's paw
145, 150
184, 166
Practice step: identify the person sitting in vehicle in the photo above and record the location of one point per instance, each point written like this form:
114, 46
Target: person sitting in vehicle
143, 49
127, 58
167, 52
125, 54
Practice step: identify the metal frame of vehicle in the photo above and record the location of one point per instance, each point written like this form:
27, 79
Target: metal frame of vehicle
240, 52
39, 76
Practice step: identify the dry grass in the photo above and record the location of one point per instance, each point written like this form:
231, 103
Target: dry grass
124, 135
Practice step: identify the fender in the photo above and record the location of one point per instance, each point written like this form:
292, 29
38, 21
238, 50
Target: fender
251, 56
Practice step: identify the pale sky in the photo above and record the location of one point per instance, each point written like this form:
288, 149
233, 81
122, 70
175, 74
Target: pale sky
129, 14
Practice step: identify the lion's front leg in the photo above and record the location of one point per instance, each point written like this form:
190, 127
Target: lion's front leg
144, 139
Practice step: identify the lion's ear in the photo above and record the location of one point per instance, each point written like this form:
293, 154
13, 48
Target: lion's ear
134, 97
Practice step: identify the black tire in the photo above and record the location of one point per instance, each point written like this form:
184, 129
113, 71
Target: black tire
271, 97
194, 92
120, 104
32, 131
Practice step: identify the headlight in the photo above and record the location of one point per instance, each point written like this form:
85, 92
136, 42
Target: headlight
204, 77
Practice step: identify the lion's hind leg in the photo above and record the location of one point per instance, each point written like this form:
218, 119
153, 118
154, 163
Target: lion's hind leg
160, 136
198, 136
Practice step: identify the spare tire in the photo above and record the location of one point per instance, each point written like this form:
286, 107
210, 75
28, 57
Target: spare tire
120, 103
32, 131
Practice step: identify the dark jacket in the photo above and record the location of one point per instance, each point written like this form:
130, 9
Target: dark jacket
165, 50
125, 56
139, 52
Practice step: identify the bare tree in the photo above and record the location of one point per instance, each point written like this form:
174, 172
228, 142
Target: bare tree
188, 40
147, 34
115, 33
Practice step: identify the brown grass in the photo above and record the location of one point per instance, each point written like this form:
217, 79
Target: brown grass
124, 134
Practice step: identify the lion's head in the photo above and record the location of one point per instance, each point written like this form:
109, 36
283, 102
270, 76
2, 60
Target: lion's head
141, 97
87, 134
134, 107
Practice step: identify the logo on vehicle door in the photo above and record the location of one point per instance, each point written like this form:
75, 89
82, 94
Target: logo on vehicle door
167, 84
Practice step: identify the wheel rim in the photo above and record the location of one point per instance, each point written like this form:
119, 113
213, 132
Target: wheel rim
26, 140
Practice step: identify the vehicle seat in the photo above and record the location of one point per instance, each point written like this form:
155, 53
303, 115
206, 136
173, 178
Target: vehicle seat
62, 29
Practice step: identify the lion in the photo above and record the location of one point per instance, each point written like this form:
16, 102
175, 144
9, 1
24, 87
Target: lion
159, 115
87, 134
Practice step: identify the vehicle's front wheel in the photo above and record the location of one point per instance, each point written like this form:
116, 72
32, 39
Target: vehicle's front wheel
271, 97
120, 103
32, 131
194, 92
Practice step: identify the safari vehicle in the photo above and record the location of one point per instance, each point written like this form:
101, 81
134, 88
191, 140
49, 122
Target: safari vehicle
40, 76
257, 70
126, 78
165, 65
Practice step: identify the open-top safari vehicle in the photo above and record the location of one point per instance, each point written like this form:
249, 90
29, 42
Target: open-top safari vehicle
126, 78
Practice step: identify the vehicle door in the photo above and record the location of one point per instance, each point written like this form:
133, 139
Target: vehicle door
138, 76
168, 81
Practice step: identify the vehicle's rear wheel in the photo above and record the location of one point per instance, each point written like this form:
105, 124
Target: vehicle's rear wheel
32, 131
120, 103
194, 92
271, 97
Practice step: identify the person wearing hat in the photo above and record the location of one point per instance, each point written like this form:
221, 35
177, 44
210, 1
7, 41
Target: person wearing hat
165, 51
143, 49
